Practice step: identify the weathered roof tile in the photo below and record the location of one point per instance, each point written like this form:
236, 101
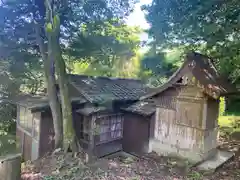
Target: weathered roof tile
142, 107
90, 110
98, 89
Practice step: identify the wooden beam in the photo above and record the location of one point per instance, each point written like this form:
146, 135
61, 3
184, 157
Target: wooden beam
91, 140
204, 115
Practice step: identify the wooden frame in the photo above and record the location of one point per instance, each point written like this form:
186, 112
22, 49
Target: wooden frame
188, 111
30, 132
84, 129
113, 129
26, 119
33, 133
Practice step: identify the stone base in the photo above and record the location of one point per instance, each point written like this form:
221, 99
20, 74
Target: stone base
218, 160
193, 156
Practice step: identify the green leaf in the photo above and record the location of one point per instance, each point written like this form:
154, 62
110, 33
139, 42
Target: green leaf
56, 21
49, 27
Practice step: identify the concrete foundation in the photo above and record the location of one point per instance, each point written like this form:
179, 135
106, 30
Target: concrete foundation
215, 162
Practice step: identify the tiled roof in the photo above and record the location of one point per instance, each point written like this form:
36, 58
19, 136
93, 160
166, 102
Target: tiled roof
142, 107
90, 110
103, 89
37, 102
34, 102
30, 101
204, 71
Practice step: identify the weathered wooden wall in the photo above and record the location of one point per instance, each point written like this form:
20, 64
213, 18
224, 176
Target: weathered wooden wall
78, 120
101, 150
183, 123
27, 147
136, 133
10, 167
47, 134
212, 113
98, 149
25, 138
110, 146
19, 138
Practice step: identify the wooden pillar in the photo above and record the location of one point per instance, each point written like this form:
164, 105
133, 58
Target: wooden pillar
204, 120
10, 167
210, 127
91, 144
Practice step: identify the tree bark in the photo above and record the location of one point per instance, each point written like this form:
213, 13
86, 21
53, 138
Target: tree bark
68, 129
51, 91
53, 31
53, 100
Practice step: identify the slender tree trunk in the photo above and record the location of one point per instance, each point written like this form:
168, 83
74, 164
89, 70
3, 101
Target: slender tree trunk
53, 32
51, 91
68, 129
53, 99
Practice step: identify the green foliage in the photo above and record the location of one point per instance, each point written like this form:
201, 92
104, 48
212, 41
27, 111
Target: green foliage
7, 144
23, 24
108, 49
49, 178
195, 176
56, 21
229, 126
232, 107
20, 49
222, 106
49, 27
211, 27
157, 67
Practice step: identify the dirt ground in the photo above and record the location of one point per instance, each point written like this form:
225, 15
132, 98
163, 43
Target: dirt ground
149, 167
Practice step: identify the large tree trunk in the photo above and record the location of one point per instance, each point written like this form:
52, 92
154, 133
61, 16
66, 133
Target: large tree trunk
51, 91
53, 99
53, 31
68, 129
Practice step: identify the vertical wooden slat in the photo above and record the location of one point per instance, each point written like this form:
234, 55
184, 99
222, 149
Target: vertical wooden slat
204, 116
156, 123
91, 139
23, 143
10, 167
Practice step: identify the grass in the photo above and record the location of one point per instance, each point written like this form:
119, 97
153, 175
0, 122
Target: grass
7, 144
227, 121
229, 125
194, 176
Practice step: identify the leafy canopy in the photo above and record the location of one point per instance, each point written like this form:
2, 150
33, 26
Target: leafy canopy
209, 26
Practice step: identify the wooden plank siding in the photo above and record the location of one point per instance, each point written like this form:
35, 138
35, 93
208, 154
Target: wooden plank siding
189, 113
186, 129
24, 143
88, 133
101, 150
27, 147
212, 113
46, 143
81, 132
25, 136
113, 143
136, 133
19, 139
